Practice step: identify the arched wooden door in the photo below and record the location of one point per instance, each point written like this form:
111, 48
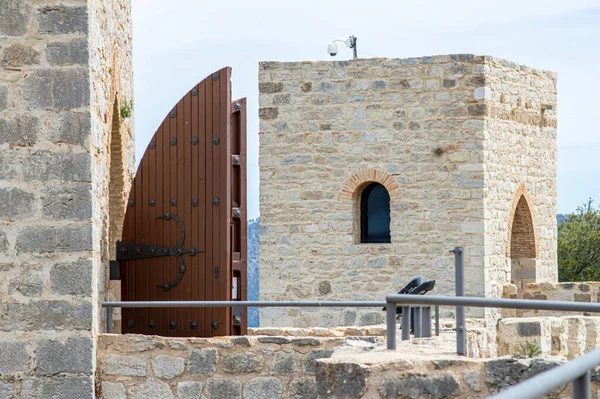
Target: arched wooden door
184, 234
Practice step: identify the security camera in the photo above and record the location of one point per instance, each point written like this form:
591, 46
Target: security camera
332, 49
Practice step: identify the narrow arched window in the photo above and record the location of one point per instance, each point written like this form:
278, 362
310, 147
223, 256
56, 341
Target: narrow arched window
375, 214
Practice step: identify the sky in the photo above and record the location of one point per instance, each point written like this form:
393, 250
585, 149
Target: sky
178, 43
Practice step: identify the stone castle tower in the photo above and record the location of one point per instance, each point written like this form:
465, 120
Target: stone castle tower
66, 148
465, 147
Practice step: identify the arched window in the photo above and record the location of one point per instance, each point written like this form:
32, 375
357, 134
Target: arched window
375, 214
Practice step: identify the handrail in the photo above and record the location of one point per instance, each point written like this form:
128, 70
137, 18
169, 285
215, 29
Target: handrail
244, 304
577, 371
544, 383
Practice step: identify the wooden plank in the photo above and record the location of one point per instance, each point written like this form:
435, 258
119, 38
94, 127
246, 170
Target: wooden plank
153, 238
200, 229
210, 194
225, 189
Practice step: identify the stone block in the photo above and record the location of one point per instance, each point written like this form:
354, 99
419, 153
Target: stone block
268, 113
56, 20
189, 390
29, 284
16, 203
14, 17
472, 379
45, 165
415, 387
57, 88
529, 329
371, 318
241, 363
168, 367
112, 390
19, 130
74, 356
302, 389
224, 389
124, 365
306, 342
310, 359
151, 389
55, 239
203, 361
263, 387
348, 318
6, 391
45, 315
14, 357
72, 278
75, 128
3, 97
274, 340
68, 202
58, 387
270, 87
241, 341
73, 52
17, 55
8, 168
283, 363
341, 380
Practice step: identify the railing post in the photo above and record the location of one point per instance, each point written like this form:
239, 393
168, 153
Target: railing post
437, 320
391, 325
109, 319
405, 323
461, 331
582, 387
427, 322
418, 321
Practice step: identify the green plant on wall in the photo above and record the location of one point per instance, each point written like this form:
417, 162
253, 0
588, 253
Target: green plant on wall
527, 350
126, 109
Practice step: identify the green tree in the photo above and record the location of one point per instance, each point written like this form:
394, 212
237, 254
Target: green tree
579, 245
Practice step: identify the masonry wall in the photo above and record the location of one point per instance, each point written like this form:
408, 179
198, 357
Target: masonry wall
52, 152
519, 159
140, 367
419, 127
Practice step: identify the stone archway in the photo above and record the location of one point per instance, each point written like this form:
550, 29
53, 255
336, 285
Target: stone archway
522, 245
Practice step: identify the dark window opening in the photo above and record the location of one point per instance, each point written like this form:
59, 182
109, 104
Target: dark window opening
375, 214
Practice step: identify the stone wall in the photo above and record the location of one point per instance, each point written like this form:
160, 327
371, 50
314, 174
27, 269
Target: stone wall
519, 168
256, 367
429, 130
53, 157
381, 375
572, 292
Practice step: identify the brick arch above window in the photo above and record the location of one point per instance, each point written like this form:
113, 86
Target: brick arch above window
522, 203
354, 185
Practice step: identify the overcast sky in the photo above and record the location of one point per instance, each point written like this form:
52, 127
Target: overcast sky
177, 43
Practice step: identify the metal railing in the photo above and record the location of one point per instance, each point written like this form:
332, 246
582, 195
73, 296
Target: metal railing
232, 304
577, 371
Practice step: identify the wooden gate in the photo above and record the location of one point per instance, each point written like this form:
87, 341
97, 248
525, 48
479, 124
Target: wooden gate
185, 229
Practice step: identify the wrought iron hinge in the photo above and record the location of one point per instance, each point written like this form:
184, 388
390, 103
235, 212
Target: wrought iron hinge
132, 251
